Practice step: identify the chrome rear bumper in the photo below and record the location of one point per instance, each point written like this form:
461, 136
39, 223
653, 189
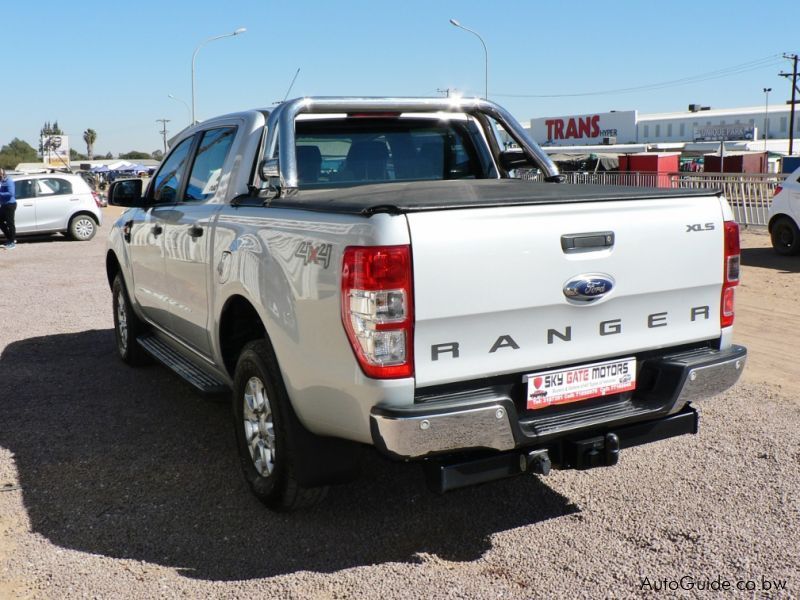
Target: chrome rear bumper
487, 419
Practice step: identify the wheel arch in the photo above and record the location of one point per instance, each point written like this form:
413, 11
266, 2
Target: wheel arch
239, 323
113, 267
777, 216
85, 212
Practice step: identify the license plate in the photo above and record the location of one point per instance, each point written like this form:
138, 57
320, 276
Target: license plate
562, 386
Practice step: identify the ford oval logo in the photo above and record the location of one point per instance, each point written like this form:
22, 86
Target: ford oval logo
588, 287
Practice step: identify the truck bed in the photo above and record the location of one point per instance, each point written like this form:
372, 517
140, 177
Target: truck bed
421, 196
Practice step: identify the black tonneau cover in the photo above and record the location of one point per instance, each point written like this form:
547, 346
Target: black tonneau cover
418, 196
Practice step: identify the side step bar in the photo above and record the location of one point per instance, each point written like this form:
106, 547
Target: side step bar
186, 369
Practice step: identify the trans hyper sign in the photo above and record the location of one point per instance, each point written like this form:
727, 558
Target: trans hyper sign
585, 129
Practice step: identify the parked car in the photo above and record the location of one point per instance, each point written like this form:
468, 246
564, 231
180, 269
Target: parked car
414, 298
56, 202
784, 215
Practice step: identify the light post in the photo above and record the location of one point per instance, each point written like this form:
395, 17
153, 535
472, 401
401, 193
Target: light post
485, 54
766, 116
196, 50
186, 104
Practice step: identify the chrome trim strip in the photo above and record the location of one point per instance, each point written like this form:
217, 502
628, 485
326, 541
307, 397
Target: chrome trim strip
416, 436
281, 135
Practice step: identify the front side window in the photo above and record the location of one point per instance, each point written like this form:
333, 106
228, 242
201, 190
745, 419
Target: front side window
208, 163
170, 175
25, 188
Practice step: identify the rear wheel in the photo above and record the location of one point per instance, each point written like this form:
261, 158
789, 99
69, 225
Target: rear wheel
127, 326
261, 414
82, 228
785, 236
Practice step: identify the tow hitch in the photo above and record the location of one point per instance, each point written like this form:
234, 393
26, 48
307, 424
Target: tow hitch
599, 451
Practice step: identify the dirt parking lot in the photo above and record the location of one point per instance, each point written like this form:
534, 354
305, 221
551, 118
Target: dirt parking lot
122, 483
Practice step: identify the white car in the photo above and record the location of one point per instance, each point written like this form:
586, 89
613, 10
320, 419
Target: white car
784, 215
56, 202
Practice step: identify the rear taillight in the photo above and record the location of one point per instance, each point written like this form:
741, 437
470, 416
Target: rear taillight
97, 200
731, 273
378, 307
778, 190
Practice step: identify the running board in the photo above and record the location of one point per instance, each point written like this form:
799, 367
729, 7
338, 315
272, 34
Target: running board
186, 369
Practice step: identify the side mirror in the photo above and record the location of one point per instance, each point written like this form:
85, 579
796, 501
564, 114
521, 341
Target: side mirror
126, 193
515, 159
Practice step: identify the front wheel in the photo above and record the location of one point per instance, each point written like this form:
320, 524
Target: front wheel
82, 228
785, 237
261, 413
127, 326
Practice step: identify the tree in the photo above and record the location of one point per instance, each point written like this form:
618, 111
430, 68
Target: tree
109, 156
134, 155
89, 136
157, 155
75, 155
15, 152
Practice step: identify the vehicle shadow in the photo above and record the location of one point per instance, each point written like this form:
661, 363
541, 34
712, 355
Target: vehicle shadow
131, 463
767, 258
39, 237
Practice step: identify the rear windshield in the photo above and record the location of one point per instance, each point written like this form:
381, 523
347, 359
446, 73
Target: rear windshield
370, 150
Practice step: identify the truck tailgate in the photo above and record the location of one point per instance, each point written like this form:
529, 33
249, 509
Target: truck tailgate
489, 284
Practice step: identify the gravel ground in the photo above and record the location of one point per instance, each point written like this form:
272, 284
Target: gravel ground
122, 483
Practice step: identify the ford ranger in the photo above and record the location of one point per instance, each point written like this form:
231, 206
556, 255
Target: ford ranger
368, 272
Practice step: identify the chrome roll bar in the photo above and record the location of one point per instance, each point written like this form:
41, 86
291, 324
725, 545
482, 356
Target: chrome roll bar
281, 133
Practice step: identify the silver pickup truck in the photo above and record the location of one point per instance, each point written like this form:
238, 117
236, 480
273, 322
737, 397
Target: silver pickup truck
367, 272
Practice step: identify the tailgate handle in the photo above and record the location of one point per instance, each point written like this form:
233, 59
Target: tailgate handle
581, 242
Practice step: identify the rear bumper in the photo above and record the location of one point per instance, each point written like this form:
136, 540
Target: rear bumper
488, 419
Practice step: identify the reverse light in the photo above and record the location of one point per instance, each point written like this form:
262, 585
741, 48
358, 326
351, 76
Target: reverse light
730, 273
377, 309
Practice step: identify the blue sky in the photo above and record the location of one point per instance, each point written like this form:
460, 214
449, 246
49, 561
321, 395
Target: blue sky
94, 64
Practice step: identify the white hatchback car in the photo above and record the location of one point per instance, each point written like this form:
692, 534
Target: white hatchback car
56, 202
784, 215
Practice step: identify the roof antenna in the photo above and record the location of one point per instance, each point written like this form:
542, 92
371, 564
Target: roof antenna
291, 85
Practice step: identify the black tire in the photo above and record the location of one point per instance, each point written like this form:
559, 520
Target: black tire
267, 452
785, 236
127, 326
82, 228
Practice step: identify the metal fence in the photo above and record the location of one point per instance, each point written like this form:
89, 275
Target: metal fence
749, 195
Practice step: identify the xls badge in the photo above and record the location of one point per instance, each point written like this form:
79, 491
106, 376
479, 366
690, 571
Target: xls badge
319, 254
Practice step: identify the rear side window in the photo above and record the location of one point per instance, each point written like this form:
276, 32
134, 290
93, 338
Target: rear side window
369, 150
171, 174
53, 186
209, 160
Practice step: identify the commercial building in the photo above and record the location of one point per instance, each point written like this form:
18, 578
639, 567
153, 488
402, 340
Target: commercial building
698, 130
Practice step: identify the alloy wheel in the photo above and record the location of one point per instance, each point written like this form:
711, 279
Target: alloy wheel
259, 428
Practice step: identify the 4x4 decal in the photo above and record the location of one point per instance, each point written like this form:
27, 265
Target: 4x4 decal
319, 254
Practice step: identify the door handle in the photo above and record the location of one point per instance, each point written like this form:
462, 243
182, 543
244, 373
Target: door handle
157, 230
74, 199
27, 204
195, 231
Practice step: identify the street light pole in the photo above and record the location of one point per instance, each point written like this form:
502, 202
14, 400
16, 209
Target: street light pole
485, 55
186, 104
196, 50
766, 116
